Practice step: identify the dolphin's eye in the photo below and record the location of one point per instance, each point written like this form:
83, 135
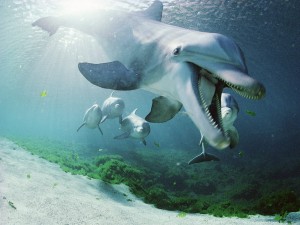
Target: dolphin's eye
176, 51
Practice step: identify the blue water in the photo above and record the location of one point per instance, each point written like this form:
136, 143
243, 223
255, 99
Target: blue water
31, 62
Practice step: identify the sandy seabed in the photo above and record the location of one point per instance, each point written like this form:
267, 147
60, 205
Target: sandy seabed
35, 191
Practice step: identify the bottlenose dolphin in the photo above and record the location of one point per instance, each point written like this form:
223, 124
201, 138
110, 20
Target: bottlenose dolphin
92, 118
185, 67
135, 127
112, 107
229, 111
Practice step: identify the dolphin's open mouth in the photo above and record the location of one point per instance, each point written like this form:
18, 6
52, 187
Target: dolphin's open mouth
210, 88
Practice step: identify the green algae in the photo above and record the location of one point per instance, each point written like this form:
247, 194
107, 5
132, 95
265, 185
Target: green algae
166, 181
279, 202
181, 215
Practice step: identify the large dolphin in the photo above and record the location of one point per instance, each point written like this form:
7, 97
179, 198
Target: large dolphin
184, 67
229, 111
135, 127
112, 107
92, 118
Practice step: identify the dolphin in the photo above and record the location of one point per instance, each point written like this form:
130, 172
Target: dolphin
112, 107
135, 127
92, 118
229, 111
184, 67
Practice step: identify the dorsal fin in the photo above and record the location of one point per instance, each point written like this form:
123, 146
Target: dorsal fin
133, 112
154, 12
112, 94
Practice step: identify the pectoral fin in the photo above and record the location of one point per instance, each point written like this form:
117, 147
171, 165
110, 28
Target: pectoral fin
120, 119
163, 109
123, 136
112, 75
144, 142
100, 129
80, 127
103, 119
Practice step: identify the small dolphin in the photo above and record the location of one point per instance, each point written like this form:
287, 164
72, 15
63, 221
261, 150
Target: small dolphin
135, 127
92, 118
185, 67
112, 107
229, 111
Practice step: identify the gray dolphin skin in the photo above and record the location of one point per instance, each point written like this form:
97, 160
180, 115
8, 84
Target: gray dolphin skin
92, 118
229, 111
135, 127
185, 67
112, 107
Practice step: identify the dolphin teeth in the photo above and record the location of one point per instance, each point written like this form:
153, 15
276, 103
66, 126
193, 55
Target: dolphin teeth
244, 91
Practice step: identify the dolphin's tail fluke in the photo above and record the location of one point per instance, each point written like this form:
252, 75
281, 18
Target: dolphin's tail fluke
203, 157
49, 24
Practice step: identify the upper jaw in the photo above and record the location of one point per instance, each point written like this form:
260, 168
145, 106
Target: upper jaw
238, 80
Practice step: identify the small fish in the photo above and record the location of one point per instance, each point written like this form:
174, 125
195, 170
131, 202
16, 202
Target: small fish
28, 176
181, 215
250, 113
156, 144
174, 183
43, 93
241, 154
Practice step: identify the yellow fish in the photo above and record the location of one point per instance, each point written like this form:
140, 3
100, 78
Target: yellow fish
43, 93
250, 113
241, 153
156, 144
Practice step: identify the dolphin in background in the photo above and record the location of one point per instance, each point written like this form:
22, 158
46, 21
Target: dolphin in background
184, 67
135, 127
112, 107
92, 118
229, 110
